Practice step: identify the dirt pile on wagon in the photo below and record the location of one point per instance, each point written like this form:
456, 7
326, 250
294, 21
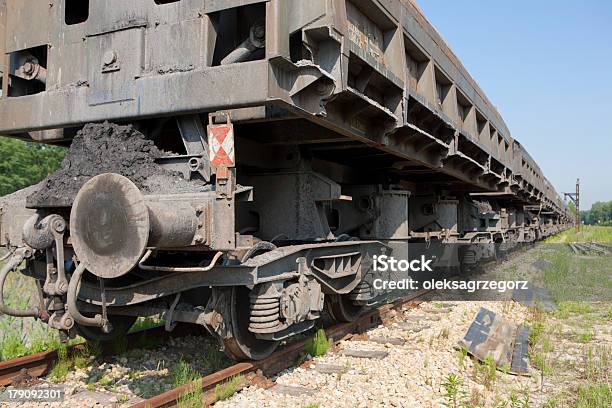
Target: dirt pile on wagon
109, 148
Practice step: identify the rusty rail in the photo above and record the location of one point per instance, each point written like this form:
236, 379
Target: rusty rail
282, 359
36, 365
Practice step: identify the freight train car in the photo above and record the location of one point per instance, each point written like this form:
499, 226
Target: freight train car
237, 164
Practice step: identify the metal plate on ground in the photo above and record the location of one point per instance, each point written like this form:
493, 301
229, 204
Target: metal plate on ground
520, 360
372, 354
494, 336
534, 296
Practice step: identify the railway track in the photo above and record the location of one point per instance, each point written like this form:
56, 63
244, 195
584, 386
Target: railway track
27, 369
259, 372
589, 248
37, 365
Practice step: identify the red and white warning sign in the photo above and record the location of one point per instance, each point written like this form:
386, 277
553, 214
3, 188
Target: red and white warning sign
221, 143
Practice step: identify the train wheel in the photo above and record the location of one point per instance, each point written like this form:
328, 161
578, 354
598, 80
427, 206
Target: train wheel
342, 308
243, 345
121, 325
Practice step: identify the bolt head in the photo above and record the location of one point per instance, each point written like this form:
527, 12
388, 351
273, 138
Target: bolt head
28, 67
109, 57
59, 225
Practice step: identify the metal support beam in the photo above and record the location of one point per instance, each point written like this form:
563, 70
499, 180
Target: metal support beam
575, 197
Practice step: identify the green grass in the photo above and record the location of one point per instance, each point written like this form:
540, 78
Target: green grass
144, 323
183, 374
594, 396
538, 360
319, 345
568, 308
587, 233
453, 390
486, 372
23, 336
462, 354
104, 381
227, 389
574, 281
585, 337
68, 360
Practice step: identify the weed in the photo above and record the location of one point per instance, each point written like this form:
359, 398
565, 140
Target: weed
183, 374
462, 353
453, 390
547, 346
312, 405
105, 381
214, 359
585, 337
552, 403
569, 307
486, 372
475, 400
12, 347
597, 364
519, 401
228, 388
319, 344
536, 331
144, 323
444, 333
60, 369
594, 396
538, 360
81, 361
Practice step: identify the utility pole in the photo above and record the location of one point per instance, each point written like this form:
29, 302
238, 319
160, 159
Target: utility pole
575, 197
578, 221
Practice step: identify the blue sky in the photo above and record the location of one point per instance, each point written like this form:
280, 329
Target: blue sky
547, 67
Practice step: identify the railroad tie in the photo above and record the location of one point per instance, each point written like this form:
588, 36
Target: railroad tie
396, 341
330, 369
411, 326
418, 318
372, 354
438, 310
293, 390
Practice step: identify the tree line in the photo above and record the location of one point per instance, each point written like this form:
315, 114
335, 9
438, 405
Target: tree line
24, 163
599, 214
